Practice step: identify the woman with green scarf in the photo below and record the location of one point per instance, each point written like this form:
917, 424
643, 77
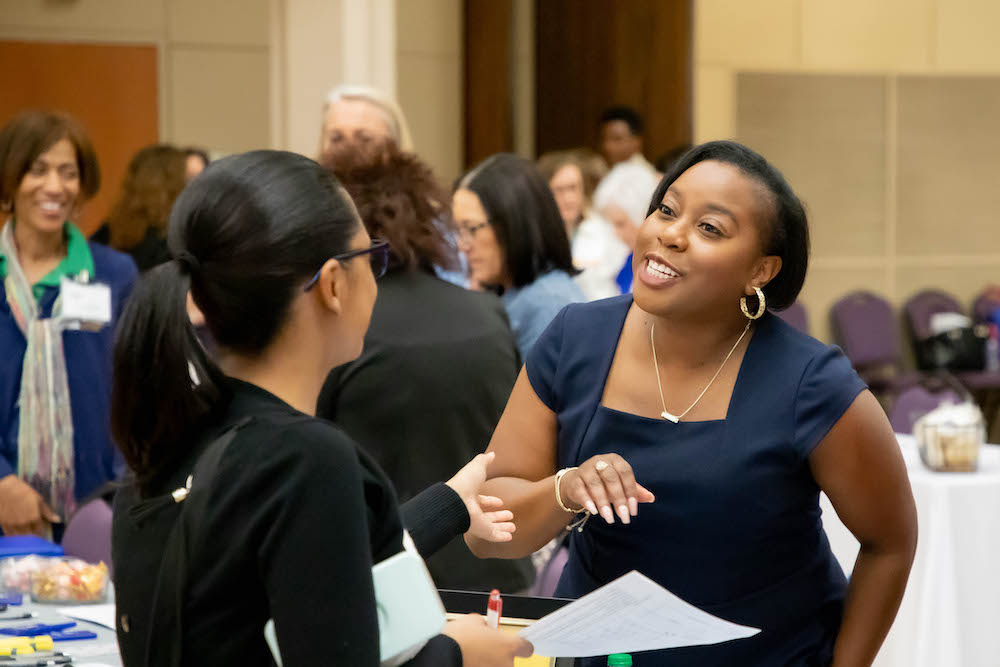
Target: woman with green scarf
55, 375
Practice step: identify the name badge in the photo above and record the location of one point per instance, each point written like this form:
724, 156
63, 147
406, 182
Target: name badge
85, 304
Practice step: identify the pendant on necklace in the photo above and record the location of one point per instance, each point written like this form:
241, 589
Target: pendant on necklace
670, 417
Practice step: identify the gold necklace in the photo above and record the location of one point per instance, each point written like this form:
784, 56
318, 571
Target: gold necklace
666, 414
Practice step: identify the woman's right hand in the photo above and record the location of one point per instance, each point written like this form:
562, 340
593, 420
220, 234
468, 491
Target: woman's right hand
22, 510
483, 646
604, 484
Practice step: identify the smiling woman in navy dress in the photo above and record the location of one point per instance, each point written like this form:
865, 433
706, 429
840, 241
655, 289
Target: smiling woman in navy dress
724, 422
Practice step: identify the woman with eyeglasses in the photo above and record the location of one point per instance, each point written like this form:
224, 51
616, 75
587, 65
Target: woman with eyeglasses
512, 233
293, 515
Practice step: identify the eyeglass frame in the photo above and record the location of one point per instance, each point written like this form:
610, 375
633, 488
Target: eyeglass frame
378, 245
469, 233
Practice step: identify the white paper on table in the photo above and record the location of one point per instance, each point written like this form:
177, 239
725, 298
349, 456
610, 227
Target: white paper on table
101, 614
628, 615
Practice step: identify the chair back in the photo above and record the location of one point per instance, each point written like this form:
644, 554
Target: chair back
547, 578
795, 315
922, 306
88, 533
916, 401
986, 305
866, 329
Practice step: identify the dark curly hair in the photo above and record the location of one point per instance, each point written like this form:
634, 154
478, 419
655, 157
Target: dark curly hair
399, 200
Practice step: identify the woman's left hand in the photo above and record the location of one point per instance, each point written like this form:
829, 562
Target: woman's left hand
487, 521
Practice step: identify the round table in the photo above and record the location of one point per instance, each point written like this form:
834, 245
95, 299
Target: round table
950, 614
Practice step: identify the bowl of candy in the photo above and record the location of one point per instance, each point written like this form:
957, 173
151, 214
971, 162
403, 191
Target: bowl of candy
15, 573
69, 581
949, 437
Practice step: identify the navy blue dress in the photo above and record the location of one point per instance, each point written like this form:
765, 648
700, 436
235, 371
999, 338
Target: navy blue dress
735, 529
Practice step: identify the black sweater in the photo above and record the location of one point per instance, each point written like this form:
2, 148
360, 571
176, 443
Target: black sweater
424, 398
297, 516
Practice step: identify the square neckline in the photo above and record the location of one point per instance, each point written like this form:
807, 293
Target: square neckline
737, 386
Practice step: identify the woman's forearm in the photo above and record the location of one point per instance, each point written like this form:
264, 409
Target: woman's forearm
536, 515
873, 597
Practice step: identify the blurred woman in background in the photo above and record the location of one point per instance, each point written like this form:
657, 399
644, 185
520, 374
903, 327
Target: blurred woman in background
138, 221
452, 346
573, 176
55, 381
621, 199
515, 241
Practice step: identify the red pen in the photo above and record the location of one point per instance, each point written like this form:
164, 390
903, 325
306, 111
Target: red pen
493, 609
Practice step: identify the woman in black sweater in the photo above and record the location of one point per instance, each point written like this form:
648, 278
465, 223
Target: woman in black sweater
295, 515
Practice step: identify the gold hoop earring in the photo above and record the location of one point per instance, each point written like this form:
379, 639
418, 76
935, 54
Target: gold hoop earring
761, 305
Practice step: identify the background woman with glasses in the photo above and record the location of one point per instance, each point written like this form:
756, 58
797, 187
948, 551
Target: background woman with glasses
447, 354
514, 238
295, 514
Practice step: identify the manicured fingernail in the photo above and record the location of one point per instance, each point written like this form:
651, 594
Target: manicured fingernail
607, 514
591, 507
623, 514
633, 506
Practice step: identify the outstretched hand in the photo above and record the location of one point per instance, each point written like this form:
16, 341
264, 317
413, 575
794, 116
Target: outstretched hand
605, 485
487, 520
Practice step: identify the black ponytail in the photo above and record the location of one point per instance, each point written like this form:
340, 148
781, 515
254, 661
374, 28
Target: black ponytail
157, 397
246, 234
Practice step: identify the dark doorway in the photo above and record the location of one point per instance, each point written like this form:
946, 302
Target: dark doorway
591, 54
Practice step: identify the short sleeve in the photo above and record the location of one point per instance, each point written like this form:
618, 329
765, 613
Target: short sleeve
542, 361
828, 387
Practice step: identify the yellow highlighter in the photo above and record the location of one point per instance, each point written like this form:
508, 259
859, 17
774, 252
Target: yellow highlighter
10, 646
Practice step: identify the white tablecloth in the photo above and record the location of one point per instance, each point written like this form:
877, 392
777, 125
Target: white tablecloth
950, 615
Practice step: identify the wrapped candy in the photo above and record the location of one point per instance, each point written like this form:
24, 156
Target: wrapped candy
15, 573
69, 580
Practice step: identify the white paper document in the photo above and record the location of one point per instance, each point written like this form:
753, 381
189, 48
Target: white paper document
101, 614
628, 615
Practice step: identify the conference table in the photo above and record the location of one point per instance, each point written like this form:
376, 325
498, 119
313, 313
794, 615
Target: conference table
99, 652
950, 614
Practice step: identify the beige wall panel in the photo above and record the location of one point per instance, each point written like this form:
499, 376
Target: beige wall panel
313, 64
966, 35
220, 99
430, 91
824, 286
429, 26
762, 33
962, 282
949, 165
714, 103
219, 21
827, 135
125, 18
862, 34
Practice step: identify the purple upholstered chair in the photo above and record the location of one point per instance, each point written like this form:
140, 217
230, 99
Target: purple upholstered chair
913, 403
547, 577
866, 329
88, 533
922, 306
795, 315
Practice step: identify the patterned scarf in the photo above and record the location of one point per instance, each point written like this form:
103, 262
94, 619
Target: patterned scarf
45, 433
